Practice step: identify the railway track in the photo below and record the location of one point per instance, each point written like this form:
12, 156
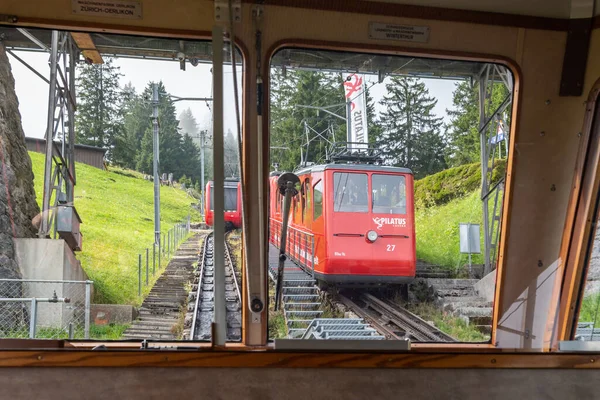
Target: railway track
204, 302
391, 320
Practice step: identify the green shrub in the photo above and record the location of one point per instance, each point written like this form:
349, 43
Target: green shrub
453, 183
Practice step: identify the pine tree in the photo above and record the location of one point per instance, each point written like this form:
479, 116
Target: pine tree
464, 143
139, 123
290, 93
190, 158
188, 125
126, 143
411, 132
374, 129
99, 117
230, 153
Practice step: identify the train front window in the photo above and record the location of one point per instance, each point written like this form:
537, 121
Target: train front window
230, 199
389, 194
350, 192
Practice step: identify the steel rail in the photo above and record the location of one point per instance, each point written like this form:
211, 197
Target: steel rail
413, 324
199, 290
231, 265
372, 320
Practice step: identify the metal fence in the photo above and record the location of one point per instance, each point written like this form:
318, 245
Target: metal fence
300, 245
45, 309
150, 260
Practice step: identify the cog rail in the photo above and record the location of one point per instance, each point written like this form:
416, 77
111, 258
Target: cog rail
204, 305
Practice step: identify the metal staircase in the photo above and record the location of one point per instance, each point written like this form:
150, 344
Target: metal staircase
300, 298
301, 303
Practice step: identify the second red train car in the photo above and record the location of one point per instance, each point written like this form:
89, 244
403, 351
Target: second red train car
233, 204
358, 218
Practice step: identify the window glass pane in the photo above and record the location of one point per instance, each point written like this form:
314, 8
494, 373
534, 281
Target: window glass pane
588, 326
389, 194
350, 192
97, 202
318, 203
392, 145
231, 199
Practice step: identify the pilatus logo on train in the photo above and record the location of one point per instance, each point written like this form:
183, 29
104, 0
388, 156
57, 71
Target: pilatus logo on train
397, 222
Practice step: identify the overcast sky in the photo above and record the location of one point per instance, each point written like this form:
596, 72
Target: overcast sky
194, 82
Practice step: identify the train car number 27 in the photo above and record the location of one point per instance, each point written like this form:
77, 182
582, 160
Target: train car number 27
391, 247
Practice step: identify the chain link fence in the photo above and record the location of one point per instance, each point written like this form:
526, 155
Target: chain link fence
45, 309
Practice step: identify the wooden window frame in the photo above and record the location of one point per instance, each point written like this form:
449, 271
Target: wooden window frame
579, 222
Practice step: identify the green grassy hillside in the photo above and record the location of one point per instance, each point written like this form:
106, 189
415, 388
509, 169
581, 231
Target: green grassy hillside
442, 202
117, 211
437, 231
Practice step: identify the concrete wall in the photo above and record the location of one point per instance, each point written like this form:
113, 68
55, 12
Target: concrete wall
49, 259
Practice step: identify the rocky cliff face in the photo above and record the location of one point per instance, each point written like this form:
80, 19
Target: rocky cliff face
17, 197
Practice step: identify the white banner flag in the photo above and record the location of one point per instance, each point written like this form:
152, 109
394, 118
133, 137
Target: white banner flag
355, 86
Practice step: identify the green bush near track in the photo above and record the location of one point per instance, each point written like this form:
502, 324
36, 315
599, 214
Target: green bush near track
117, 212
453, 183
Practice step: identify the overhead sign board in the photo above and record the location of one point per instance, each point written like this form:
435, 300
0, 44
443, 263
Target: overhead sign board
408, 33
106, 8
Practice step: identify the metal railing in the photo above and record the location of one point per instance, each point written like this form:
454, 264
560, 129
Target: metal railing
300, 245
167, 244
46, 309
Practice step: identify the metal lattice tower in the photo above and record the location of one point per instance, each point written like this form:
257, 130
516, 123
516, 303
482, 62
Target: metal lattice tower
59, 173
494, 136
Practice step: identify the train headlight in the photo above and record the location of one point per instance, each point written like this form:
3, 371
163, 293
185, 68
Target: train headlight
371, 236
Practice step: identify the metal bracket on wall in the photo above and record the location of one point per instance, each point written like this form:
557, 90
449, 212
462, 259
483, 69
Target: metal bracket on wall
222, 10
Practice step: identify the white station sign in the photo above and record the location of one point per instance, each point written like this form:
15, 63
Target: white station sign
105, 8
408, 33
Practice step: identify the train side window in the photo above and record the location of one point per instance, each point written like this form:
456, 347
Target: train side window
318, 200
278, 202
305, 199
307, 194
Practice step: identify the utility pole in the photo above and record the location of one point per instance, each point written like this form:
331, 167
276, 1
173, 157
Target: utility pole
202, 133
155, 163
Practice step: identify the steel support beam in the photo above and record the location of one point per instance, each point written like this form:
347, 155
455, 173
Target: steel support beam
493, 133
59, 169
45, 225
220, 327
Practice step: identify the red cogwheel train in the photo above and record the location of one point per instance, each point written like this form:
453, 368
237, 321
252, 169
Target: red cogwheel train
357, 220
233, 204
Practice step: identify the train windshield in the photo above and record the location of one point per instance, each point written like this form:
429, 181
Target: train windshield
351, 192
389, 194
230, 199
